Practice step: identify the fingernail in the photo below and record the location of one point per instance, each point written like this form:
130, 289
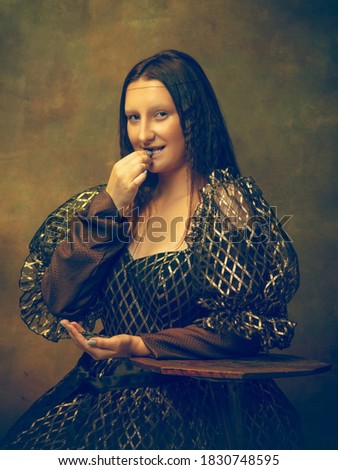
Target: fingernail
145, 172
149, 152
92, 342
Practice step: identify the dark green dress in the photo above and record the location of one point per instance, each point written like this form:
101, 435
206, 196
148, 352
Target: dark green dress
225, 295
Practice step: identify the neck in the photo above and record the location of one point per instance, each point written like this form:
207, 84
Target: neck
174, 185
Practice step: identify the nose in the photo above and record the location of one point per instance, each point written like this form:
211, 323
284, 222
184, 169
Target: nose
146, 133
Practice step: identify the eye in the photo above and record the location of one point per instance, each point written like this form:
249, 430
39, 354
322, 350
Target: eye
133, 117
161, 115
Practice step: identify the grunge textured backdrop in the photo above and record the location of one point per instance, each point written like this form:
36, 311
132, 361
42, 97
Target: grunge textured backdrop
274, 67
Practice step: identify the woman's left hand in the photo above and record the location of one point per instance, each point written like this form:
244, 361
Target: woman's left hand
104, 348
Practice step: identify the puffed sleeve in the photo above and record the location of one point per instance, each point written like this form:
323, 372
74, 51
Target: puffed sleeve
245, 272
246, 267
49, 290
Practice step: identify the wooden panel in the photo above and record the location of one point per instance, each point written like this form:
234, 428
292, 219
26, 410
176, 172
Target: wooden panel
259, 367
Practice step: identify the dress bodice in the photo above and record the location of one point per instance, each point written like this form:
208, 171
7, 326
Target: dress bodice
238, 272
149, 294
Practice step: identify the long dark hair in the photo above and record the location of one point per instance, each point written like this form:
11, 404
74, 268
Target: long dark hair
207, 141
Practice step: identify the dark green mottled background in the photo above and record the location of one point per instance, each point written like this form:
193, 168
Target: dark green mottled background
274, 67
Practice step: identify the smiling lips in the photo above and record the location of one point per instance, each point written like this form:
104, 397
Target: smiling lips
152, 151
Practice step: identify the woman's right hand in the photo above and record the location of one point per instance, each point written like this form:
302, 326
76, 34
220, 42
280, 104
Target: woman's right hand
126, 177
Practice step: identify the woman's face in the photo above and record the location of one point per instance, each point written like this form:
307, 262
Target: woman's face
154, 124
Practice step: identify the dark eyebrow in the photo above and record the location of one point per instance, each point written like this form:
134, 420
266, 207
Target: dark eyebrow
157, 107
141, 87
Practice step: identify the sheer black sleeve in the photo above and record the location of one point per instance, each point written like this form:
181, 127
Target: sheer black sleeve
246, 267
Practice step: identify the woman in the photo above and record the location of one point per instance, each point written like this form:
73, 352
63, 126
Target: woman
180, 257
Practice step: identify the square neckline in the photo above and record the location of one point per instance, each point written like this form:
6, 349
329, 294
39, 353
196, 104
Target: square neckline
202, 191
163, 253
167, 252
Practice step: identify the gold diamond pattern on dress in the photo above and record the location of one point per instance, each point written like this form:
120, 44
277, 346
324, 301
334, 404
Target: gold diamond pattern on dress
223, 280
53, 231
192, 416
248, 272
155, 292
